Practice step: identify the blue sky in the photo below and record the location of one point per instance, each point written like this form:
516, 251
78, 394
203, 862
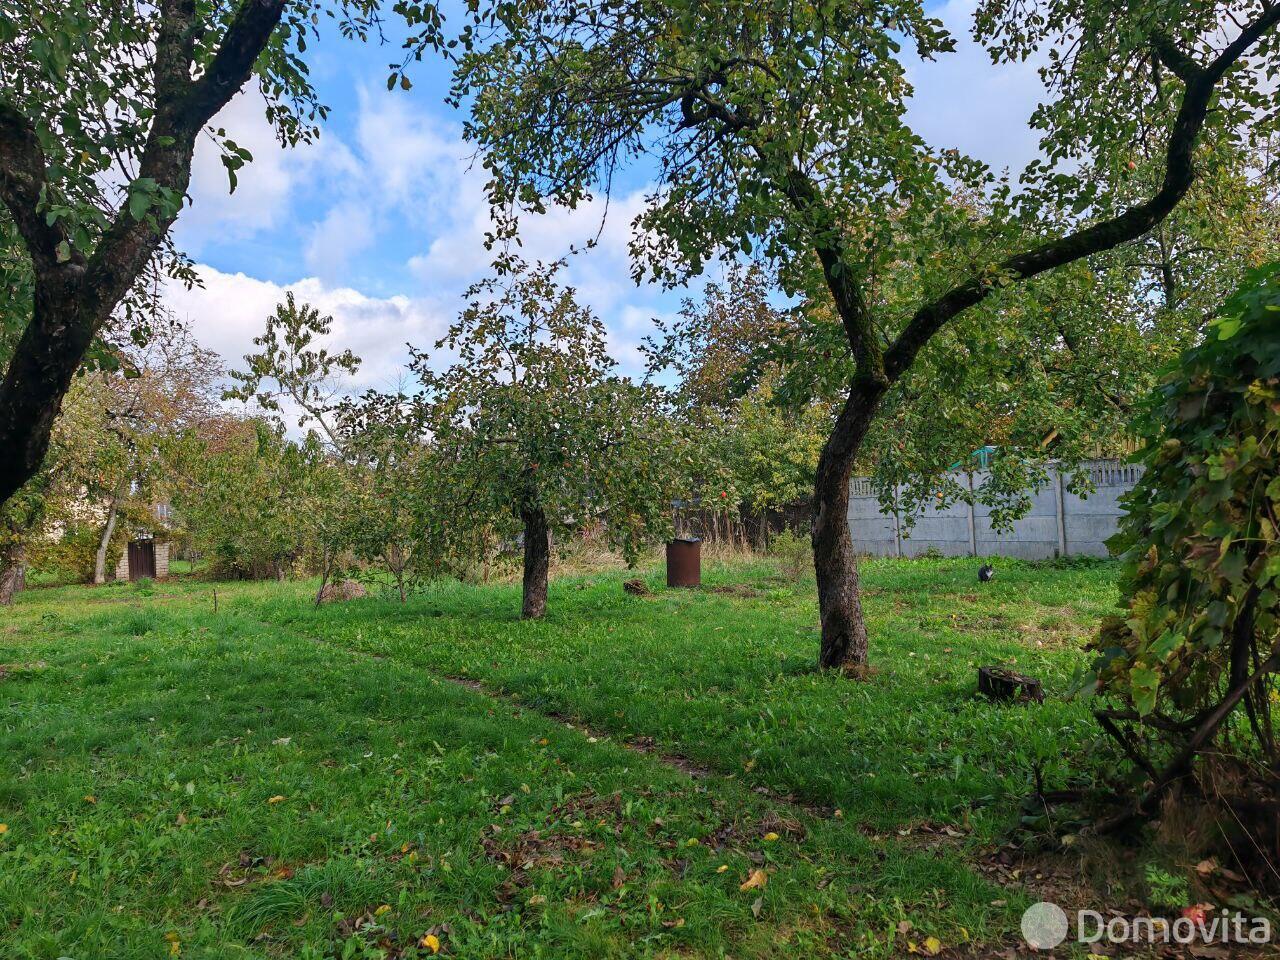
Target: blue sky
380, 223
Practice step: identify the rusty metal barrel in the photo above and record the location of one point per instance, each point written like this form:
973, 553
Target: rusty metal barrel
684, 562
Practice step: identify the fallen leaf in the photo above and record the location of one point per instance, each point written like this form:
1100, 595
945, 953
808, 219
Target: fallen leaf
770, 837
674, 924
1206, 867
4, 828
431, 942
1197, 913
619, 877
932, 946
278, 798
758, 878
722, 868
757, 906
385, 908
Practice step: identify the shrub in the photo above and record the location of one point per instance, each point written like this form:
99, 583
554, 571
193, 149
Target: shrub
794, 554
69, 559
1190, 663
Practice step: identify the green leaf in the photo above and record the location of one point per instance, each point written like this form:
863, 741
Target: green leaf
1228, 328
139, 203
1145, 683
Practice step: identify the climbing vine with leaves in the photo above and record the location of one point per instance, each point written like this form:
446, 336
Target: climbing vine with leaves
1191, 663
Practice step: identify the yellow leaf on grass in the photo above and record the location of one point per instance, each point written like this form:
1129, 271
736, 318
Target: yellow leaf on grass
722, 868
932, 946
770, 837
385, 908
4, 828
758, 878
431, 942
278, 798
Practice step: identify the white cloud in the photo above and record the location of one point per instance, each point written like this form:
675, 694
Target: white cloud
346, 230
232, 308
265, 186
402, 180
963, 100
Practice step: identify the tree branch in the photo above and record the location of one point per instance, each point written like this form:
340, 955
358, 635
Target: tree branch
846, 291
22, 181
245, 39
1127, 226
1179, 64
183, 107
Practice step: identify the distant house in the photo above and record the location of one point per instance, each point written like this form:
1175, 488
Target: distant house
145, 555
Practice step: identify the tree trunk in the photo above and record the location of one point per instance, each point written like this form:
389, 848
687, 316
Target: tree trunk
35, 383
324, 576
12, 574
844, 632
104, 543
537, 559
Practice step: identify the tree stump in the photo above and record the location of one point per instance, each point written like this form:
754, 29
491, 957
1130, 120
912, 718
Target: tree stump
1001, 683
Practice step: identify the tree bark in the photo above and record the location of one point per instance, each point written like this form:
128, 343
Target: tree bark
537, 560
104, 542
12, 574
324, 576
844, 632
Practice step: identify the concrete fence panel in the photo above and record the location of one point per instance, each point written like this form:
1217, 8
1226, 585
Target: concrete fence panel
1058, 523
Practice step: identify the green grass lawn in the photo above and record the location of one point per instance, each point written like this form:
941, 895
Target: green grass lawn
277, 780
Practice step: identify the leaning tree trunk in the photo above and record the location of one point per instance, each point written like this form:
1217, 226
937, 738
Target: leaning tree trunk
104, 543
844, 632
537, 560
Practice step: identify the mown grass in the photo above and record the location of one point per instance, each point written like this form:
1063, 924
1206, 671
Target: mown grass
279, 780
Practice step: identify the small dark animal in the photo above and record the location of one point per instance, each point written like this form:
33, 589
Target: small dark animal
986, 573
637, 588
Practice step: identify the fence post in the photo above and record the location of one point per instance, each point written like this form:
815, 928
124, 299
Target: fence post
1060, 504
973, 525
897, 523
